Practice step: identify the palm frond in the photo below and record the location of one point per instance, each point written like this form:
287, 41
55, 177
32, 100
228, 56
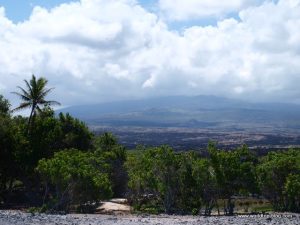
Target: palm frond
34, 95
23, 105
39, 89
50, 103
41, 84
25, 93
29, 87
44, 93
34, 87
23, 97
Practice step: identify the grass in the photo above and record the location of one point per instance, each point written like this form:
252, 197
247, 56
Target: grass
252, 205
244, 205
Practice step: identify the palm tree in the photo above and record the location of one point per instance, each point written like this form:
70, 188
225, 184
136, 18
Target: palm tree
34, 96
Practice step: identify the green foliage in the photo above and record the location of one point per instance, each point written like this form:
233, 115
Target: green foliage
234, 172
44, 139
151, 174
11, 150
105, 142
174, 182
192, 178
279, 179
106, 145
33, 97
77, 178
51, 134
292, 192
205, 184
20, 151
4, 106
164, 180
75, 134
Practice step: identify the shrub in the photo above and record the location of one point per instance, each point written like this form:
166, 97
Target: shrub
74, 177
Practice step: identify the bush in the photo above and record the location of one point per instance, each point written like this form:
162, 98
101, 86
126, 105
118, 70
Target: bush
74, 177
279, 180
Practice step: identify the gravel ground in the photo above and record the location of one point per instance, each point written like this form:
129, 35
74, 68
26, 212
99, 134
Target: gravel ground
21, 218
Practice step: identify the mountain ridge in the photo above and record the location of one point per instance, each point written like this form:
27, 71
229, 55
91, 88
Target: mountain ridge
188, 111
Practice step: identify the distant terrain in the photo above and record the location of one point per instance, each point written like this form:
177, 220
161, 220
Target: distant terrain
190, 122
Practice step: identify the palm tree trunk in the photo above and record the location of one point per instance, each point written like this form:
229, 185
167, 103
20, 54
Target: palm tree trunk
30, 118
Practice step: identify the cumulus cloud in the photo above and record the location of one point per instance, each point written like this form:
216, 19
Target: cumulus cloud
98, 50
193, 9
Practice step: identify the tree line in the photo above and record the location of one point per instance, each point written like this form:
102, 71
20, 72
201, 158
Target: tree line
55, 163
171, 182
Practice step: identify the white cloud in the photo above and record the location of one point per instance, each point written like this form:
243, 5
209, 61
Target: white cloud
98, 50
193, 9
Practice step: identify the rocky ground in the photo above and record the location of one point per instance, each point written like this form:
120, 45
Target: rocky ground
21, 218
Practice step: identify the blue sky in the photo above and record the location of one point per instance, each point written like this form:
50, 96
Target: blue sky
102, 50
19, 10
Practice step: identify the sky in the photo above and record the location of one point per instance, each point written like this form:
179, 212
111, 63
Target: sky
95, 51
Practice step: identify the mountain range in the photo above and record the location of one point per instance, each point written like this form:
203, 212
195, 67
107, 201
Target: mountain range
190, 112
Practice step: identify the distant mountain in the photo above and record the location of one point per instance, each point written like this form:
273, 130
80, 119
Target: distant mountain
184, 111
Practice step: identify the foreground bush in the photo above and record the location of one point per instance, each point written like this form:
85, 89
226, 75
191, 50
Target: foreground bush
186, 183
279, 179
73, 177
234, 172
114, 154
167, 181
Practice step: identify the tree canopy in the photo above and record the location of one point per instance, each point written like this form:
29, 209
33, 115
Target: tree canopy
33, 96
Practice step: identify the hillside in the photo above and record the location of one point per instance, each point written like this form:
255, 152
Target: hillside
189, 112
190, 122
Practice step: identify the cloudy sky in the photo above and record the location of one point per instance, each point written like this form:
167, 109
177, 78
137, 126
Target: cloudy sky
102, 50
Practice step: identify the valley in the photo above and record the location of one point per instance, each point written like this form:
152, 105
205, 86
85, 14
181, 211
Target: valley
189, 122
183, 139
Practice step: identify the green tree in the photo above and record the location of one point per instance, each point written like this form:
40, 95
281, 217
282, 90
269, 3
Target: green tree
105, 142
163, 180
45, 138
4, 106
278, 177
115, 155
192, 177
33, 96
75, 133
139, 171
11, 148
50, 134
73, 177
164, 169
292, 192
235, 173
206, 185
153, 177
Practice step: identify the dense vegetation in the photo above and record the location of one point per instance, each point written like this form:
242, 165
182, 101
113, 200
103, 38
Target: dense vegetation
55, 162
163, 180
